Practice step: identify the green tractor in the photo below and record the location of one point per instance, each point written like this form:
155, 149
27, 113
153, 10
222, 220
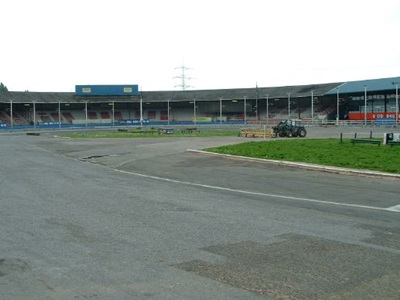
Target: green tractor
290, 128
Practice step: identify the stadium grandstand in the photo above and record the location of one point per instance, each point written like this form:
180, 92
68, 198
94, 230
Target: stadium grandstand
372, 102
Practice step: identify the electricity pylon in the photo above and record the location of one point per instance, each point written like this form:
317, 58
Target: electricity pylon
184, 78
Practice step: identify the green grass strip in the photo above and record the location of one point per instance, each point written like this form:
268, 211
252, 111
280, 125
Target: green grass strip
321, 151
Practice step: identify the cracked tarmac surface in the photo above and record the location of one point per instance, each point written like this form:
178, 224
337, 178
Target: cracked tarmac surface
145, 219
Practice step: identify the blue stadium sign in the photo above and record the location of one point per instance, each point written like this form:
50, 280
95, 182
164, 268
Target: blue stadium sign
107, 90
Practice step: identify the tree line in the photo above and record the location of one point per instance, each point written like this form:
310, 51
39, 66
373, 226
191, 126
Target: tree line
3, 88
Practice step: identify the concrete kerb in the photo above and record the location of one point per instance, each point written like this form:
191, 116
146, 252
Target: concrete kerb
307, 166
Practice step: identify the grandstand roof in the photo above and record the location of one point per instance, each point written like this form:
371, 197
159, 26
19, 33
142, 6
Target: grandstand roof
25, 97
373, 85
159, 96
52, 97
249, 93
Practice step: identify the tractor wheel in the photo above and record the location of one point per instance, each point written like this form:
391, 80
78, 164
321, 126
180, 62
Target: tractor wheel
289, 134
302, 132
281, 133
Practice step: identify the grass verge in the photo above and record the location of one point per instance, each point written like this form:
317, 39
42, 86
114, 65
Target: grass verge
321, 151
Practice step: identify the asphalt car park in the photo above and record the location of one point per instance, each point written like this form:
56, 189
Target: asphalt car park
147, 219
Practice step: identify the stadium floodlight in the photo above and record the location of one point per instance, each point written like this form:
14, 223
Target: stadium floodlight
194, 111
312, 107
86, 113
365, 105
11, 114
267, 112
34, 114
112, 104
168, 108
337, 107
397, 103
220, 110
141, 107
59, 114
244, 109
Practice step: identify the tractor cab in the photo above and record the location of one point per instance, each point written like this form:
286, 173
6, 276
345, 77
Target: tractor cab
290, 128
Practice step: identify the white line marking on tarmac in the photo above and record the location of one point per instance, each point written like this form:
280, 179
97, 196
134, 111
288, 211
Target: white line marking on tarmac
259, 193
395, 208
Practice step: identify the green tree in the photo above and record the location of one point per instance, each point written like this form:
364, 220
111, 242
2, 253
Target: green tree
3, 88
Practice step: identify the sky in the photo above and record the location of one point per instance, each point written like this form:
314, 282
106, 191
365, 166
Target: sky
53, 45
